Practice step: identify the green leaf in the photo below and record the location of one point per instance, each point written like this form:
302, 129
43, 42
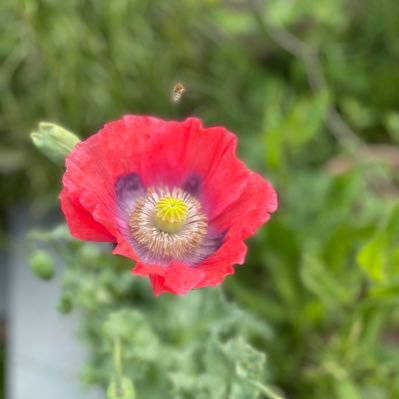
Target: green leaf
357, 113
346, 389
305, 119
249, 363
391, 122
378, 256
319, 280
372, 258
295, 129
232, 21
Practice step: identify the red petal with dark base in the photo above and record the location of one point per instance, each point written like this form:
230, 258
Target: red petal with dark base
93, 166
236, 200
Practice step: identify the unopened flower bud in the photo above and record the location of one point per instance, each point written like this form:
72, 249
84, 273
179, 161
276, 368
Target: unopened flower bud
42, 265
54, 141
65, 305
122, 389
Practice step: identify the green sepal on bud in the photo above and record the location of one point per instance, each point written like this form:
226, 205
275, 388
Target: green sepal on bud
54, 141
42, 265
122, 389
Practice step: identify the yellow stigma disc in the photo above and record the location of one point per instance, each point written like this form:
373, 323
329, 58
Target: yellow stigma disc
170, 214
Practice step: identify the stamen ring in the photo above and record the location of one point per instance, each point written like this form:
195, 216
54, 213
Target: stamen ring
168, 223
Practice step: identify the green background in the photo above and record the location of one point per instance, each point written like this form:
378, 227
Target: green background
311, 89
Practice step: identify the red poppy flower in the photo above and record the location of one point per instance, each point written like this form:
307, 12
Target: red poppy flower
173, 196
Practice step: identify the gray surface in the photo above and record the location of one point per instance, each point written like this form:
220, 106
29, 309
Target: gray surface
44, 355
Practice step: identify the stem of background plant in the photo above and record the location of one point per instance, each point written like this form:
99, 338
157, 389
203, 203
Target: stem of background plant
117, 355
264, 389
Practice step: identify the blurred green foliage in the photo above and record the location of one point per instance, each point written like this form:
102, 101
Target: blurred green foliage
319, 292
196, 346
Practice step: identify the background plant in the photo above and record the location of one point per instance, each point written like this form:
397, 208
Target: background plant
311, 88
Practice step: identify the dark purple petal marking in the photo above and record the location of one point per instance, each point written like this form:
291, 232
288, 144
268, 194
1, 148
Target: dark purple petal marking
128, 189
192, 185
210, 244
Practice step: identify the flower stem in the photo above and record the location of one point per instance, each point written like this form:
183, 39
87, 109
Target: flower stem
266, 390
117, 355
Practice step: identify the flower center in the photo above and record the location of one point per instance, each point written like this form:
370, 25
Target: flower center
167, 223
170, 214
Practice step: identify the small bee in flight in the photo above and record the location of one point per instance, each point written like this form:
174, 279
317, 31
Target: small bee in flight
177, 92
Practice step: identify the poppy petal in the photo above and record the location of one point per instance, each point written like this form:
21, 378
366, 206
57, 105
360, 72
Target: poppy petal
81, 223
